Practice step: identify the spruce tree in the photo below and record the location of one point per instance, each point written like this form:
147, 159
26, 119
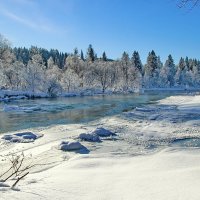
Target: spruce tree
180, 74
151, 70
75, 51
104, 57
136, 62
168, 72
152, 63
187, 63
90, 53
125, 62
82, 56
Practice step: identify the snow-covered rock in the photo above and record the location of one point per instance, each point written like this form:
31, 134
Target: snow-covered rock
7, 108
89, 137
15, 108
153, 117
23, 137
70, 146
144, 109
102, 132
18, 97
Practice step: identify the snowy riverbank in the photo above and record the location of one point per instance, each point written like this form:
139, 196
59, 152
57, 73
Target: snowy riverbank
9, 95
154, 155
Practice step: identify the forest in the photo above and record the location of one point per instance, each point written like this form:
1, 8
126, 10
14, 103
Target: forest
38, 70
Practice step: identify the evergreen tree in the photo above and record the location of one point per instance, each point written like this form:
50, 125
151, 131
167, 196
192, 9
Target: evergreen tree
90, 53
136, 62
187, 63
168, 72
151, 70
152, 64
82, 56
180, 74
75, 52
181, 64
104, 57
125, 62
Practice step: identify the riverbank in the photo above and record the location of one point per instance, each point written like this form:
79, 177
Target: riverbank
154, 155
9, 95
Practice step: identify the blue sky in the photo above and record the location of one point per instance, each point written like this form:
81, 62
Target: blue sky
112, 26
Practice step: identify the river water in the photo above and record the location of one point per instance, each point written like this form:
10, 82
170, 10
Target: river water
22, 114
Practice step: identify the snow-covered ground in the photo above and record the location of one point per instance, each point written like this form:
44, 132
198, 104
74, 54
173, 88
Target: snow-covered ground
152, 152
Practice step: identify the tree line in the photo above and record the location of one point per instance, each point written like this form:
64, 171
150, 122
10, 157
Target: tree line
52, 72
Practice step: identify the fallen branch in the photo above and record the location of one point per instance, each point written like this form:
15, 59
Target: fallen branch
18, 179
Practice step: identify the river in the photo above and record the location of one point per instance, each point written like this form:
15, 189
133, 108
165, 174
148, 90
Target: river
23, 114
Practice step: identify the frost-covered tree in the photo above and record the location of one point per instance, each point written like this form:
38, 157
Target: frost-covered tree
50, 63
4, 44
125, 65
103, 74
167, 73
52, 78
196, 73
136, 62
135, 79
76, 52
7, 58
13, 75
69, 80
34, 74
76, 64
151, 70
180, 73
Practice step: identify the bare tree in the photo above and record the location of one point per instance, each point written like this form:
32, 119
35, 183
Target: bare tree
184, 3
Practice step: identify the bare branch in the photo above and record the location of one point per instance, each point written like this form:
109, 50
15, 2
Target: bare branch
19, 178
191, 3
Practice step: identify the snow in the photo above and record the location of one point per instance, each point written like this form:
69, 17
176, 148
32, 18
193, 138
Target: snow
8, 95
167, 175
89, 137
151, 157
24, 137
2, 184
102, 132
143, 109
10, 108
70, 146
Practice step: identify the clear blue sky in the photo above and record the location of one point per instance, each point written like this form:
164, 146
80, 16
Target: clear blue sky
113, 26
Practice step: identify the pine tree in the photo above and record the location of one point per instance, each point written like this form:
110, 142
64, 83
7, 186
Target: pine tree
75, 51
152, 64
104, 57
180, 74
82, 56
151, 70
90, 54
168, 72
187, 63
181, 64
136, 62
125, 62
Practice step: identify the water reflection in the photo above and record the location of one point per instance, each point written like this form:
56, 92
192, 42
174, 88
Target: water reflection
44, 112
